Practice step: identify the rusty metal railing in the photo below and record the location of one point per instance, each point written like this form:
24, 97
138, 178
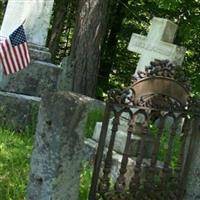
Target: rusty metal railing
159, 99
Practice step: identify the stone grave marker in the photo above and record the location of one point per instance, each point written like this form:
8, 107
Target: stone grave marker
157, 45
58, 149
36, 16
41, 75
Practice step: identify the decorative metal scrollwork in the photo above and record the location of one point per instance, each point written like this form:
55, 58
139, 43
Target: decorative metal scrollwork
155, 96
163, 68
162, 86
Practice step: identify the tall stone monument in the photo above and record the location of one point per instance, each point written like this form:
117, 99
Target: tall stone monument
41, 75
36, 16
158, 44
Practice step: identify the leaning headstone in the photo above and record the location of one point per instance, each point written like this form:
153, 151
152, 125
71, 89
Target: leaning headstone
57, 154
157, 45
18, 111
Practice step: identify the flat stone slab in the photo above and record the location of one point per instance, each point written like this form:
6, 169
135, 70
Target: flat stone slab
120, 140
36, 79
18, 111
90, 147
39, 53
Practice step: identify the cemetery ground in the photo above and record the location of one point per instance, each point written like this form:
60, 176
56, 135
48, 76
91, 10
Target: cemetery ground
15, 154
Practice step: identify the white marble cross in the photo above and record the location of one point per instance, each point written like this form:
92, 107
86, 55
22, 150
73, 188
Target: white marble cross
36, 13
157, 45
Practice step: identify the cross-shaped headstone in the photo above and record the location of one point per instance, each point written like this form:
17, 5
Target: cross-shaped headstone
157, 45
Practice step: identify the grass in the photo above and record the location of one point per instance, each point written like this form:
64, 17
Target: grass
92, 117
85, 180
15, 152
164, 145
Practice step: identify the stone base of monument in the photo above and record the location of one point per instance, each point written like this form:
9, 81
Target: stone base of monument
18, 112
39, 53
120, 140
20, 92
89, 155
37, 78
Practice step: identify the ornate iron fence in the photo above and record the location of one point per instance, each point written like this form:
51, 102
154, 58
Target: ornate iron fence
155, 97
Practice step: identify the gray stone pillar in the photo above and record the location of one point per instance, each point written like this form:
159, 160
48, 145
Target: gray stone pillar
57, 154
192, 178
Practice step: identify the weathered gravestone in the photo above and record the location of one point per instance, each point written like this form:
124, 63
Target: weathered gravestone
41, 75
157, 45
36, 13
57, 154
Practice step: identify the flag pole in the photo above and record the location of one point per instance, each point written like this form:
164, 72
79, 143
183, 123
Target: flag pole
23, 21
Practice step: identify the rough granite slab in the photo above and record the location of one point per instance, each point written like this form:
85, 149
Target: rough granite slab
18, 112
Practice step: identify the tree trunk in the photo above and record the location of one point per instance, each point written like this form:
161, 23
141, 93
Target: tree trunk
109, 55
86, 46
60, 12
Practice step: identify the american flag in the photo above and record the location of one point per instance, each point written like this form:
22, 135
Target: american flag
14, 52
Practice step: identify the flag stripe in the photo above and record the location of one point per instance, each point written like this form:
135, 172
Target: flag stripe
5, 69
28, 53
21, 56
8, 56
17, 59
11, 58
25, 52
6, 61
18, 56
24, 55
14, 58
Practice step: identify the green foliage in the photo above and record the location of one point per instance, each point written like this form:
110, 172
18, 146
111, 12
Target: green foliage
92, 117
137, 20
1, 11
85, 180
135, 17
164, 140
15, 152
